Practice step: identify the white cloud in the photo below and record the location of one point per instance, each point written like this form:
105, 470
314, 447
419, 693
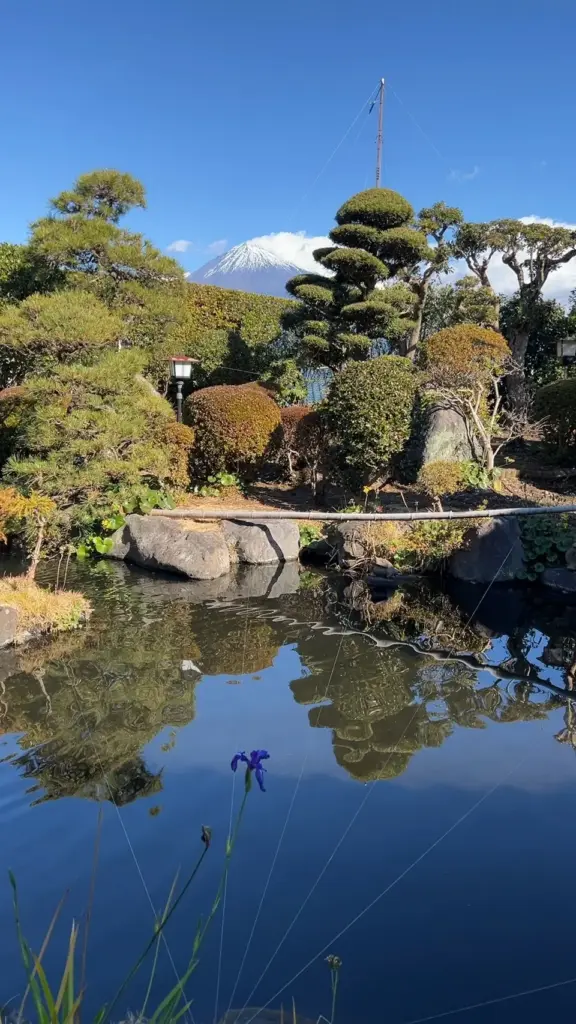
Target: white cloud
180, 245
218, 247
559, 284
295, 247
457, 175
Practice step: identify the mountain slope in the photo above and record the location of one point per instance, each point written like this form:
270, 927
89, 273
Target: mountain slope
249, 268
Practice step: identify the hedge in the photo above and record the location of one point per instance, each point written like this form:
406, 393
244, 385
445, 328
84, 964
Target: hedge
255, 317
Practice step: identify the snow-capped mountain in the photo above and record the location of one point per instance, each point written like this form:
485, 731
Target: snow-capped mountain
249, 267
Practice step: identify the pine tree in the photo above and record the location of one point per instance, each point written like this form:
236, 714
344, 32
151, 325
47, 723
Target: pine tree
81, 238
343, 315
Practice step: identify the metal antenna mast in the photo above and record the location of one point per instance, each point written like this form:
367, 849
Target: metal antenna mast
380, 133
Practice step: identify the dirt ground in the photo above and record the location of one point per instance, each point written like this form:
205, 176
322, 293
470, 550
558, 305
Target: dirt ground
528, 477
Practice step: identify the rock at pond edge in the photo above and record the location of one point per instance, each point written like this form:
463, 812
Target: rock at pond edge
259, 542
157, 542
560, 579
491, 552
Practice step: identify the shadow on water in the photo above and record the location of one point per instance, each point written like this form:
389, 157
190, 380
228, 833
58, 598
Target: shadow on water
385, 678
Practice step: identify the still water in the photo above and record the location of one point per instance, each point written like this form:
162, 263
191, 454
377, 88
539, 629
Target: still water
419, 819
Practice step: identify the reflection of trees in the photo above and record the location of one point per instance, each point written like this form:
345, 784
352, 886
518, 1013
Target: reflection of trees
86, 703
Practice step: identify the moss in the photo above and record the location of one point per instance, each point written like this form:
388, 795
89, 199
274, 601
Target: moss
40, 610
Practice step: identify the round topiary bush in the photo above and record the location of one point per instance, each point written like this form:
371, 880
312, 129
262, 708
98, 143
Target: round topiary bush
233, 427
555, 404
463, 353
369, 410
377, 207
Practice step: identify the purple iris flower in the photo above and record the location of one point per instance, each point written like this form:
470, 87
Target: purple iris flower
253, 764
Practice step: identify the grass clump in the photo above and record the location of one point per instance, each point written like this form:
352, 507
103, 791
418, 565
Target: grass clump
40, 610
416, 547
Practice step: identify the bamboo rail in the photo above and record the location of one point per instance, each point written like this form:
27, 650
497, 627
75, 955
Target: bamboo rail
369, 517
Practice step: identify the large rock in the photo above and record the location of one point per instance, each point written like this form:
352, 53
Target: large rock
560, 579
260, 541
353, 544
446, 438
174, 545
8, 624
491, 552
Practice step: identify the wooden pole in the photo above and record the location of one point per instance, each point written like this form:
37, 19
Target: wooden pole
368, 517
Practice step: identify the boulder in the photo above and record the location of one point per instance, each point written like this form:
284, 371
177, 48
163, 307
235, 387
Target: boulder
491, 552
174, 545
353, 544
260, 541
446, 437
560, 579
8, 624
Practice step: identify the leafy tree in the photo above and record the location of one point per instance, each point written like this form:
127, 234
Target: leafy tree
464, 366
343, 315
532, 252
550, 324
437, 223
81, 237
61, 327
464, 302
477, 244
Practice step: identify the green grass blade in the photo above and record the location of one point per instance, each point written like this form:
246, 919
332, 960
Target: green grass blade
66, 998
48, 997
26, 955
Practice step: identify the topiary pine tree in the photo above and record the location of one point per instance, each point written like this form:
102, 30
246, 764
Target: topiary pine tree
342, 315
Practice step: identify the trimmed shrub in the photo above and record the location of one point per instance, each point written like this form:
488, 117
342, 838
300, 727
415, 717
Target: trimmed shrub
303, 439
440, 478
556, 405
233, 427
456, 356
369, 410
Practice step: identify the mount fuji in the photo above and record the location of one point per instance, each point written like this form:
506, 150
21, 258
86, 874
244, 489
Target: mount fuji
250, 267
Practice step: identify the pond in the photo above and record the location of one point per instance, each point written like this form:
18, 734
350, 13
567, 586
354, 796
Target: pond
418, 819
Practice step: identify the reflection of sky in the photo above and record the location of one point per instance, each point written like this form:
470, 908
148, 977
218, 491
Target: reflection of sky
260, 710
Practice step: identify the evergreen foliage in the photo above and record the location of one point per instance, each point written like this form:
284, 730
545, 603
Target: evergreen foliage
368, 411
92, 438
60, 327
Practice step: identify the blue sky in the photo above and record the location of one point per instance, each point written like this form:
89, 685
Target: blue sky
228, 111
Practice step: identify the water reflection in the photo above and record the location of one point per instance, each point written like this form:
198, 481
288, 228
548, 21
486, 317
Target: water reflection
84, 706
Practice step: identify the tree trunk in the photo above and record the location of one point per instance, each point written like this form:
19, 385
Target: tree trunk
516, 381
30, 575
421, 291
